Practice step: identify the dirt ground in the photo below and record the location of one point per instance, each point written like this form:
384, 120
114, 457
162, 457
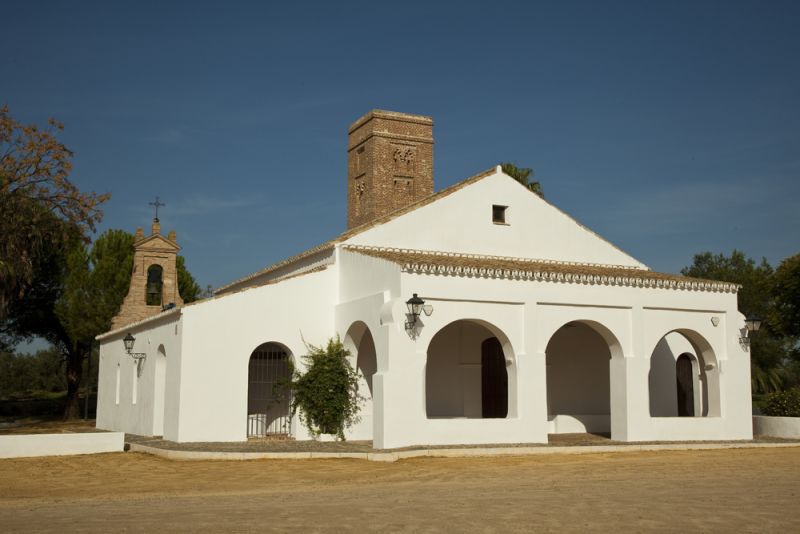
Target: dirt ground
755, 490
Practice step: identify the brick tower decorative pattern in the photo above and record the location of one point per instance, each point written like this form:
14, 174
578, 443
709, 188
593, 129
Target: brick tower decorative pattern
389, 164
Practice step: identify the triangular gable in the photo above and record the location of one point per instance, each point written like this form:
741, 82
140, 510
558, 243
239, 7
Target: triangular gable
253, 278
457, 217
156, 242
462, 221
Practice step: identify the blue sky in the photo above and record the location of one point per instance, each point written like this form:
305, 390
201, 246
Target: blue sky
670, 128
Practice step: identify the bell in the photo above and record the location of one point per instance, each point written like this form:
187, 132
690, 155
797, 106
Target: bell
153, 293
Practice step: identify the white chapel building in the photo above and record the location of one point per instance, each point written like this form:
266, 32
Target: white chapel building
531, 325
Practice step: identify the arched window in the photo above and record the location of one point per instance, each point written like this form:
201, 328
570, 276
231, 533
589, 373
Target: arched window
155, 284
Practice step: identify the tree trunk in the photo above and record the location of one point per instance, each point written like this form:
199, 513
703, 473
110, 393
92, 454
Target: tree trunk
72, 410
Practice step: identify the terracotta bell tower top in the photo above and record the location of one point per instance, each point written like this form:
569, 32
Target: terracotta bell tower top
154, 280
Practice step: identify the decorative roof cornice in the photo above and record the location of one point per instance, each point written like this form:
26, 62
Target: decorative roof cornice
481, 266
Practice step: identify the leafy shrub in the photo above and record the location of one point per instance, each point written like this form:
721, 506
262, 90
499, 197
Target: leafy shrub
783, 403
327, 393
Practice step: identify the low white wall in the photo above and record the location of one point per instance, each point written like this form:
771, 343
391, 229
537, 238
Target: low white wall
22, 445
778, 427
690, 429
467, 431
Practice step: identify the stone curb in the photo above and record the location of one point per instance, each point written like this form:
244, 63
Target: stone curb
447, 453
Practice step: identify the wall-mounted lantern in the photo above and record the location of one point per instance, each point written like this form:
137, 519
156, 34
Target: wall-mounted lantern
416, 306
751, 324
129, 340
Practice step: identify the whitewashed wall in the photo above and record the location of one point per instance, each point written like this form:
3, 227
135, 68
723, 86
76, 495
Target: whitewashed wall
462, 222
29, 445
208, 345
220, 336
631, 320
131, 404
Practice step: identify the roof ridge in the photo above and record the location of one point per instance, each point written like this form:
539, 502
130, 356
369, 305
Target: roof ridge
347, 234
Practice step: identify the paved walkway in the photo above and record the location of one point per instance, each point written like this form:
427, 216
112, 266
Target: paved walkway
290, 449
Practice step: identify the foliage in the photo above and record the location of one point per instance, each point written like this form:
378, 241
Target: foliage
786, 290
523, 175
767, 380
771, 350
327, 393
783, 403
755, 279
208, 292
76, 293
96, 283
38, 203
26, 374
187, 285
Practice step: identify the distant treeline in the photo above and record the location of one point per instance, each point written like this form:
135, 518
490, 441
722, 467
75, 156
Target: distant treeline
36, 375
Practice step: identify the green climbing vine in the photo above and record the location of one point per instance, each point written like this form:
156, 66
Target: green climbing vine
327, 393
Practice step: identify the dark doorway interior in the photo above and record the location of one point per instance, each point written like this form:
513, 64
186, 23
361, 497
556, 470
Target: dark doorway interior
494, 380
685, 382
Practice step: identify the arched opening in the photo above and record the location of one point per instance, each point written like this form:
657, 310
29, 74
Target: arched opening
361, 345
160, 382
683, 379
155, 284
467, 373
578, 378
268, 400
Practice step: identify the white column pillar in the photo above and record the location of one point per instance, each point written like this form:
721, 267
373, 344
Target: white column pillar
630, 412
532, 387
399, 393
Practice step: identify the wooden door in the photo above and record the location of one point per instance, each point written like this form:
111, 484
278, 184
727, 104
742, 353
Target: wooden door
685, 382
494, 380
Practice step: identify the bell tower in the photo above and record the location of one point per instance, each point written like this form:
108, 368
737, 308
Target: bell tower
389, 164
154, 280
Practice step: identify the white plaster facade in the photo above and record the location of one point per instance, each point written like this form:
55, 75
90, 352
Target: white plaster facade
587, 334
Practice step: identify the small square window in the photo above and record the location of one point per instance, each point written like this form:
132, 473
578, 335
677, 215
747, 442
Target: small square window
499, 214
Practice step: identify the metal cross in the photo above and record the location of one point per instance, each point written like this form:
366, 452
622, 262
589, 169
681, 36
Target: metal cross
157, 204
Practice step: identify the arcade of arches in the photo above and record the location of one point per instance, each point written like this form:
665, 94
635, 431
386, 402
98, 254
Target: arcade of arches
467, 376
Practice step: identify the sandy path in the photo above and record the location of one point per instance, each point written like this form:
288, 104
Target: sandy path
754, 490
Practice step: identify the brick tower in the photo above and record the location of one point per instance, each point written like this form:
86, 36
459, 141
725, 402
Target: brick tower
389, 164
154, 281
